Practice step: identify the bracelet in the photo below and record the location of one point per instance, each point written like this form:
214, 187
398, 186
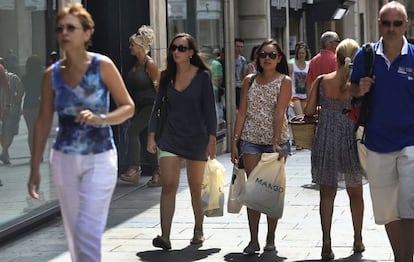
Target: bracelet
102, 117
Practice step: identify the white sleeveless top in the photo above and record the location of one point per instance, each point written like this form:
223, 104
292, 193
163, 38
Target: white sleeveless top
299, 81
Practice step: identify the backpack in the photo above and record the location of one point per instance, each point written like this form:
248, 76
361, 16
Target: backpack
359, 110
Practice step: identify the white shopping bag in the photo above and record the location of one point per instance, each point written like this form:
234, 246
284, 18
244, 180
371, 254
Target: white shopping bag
265, 187
212, 190
237, 184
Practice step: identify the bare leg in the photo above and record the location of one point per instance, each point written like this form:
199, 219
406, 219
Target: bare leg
271, 229
195, 172
327, 195
357, 211
407, 227
250, 162
170, 166
400, 235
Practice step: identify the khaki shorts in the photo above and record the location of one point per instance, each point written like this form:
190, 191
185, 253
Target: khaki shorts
164, 153
391, 182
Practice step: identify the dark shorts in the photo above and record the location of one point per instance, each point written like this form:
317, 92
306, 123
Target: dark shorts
238, 92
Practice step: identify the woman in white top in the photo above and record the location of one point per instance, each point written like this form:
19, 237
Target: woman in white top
298, 71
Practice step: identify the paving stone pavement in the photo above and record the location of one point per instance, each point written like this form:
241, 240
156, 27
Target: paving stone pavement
134, 221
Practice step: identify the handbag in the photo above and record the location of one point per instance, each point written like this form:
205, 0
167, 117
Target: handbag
265, 187
212, 189
161, 113
303, 126
303, 129
238, 181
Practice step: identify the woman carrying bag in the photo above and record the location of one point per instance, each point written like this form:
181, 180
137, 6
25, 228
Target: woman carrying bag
261, 125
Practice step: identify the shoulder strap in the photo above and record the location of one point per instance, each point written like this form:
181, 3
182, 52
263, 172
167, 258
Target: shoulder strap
369, 59
252, 79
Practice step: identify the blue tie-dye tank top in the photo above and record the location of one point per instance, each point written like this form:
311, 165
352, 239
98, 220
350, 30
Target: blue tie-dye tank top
91, 93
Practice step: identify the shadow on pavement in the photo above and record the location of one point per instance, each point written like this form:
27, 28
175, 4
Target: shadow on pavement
357, 257
187, 254
264, 257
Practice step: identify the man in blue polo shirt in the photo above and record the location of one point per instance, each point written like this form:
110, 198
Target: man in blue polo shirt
390, 128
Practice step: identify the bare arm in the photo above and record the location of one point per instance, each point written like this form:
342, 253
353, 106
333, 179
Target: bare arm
153, 72
240, 118
312, 101
125, 105
280, 112
358, 90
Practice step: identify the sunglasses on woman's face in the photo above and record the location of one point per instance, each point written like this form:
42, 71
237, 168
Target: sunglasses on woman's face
388, 23
69, 28
180, 48
272, 55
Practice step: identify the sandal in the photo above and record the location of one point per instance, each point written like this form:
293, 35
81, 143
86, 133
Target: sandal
252, 248
133, 174
270, 246
161, 243
358, 247
198, 237
327, 253
155, 181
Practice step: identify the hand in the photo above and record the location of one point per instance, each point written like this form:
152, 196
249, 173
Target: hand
34, 184
86, 117
278, 149
151, 144
211, 150
365, 84
234, 154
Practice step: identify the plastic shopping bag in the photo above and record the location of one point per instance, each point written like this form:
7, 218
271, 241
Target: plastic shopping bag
212, 190
265, 187
238, 180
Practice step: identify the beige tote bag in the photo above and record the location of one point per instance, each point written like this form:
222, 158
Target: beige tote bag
265, 187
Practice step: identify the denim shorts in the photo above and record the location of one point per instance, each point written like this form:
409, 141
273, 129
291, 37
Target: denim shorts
251, 148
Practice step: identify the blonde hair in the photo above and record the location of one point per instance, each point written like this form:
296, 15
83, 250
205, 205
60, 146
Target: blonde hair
345, 52
144, 37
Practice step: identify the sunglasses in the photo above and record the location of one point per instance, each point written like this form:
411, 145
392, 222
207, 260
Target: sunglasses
388, 23
181, 48
272, 55
69, 28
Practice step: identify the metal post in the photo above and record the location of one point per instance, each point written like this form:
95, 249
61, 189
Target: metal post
229, 69
287, 31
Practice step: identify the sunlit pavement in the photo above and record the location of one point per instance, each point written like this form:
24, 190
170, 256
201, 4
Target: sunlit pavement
134, 221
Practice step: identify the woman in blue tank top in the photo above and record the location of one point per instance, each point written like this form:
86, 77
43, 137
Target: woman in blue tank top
83, 160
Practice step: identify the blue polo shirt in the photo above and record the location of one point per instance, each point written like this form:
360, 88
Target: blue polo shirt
390, 125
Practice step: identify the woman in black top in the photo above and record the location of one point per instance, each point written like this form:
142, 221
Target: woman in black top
189, 131
142, 84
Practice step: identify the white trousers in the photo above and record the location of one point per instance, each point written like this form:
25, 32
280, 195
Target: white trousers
84, 185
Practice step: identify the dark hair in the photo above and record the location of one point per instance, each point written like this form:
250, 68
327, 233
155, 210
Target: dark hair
254, 52
282, 67
238, 40
169, 73
33, 64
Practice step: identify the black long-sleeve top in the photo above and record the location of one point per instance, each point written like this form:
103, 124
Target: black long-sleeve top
191, 118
